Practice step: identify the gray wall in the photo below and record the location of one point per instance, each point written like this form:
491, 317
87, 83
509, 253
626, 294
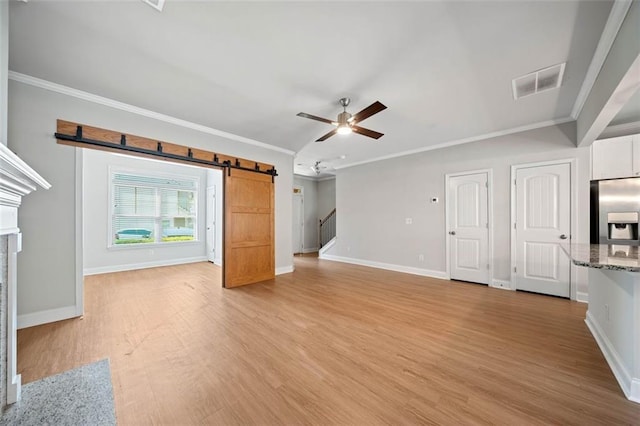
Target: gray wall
326, 197
4, 68
98, 257
47, 265
310, 203
374, 199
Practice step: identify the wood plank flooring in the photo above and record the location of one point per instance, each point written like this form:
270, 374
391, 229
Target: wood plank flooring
331, 343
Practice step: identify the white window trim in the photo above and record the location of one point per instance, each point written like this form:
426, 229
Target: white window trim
123, 170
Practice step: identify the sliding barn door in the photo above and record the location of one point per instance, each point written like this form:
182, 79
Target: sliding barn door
249, 254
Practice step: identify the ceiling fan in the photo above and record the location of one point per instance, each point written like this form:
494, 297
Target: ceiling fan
322, 165
347, 123
318, 167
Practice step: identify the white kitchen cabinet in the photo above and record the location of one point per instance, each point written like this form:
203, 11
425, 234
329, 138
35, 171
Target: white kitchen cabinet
615, 158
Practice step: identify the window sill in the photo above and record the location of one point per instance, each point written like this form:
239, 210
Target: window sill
173, 244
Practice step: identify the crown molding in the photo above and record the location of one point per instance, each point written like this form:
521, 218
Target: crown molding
462, 141
303, 177
614, 22
314, 179
90, 97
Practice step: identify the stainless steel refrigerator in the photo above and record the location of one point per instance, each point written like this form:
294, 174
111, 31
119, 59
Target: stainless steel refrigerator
615, 211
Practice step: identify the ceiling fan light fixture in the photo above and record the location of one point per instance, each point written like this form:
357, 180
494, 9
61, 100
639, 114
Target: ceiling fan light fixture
344, 129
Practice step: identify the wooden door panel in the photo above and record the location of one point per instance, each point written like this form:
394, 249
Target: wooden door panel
251, 264
249, 254
251, 227
257, 195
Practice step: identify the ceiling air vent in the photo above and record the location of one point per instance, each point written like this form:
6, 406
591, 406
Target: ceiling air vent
156, 4
538, 81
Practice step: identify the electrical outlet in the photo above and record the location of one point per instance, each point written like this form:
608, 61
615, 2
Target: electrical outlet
408, 221
421, 258
348, 249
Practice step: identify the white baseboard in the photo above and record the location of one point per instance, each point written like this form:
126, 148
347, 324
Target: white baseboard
217, 261
582, 297
44, 317
388, 266
310, 250
635, 390
142, 265
613, 359
501, 284
284, 270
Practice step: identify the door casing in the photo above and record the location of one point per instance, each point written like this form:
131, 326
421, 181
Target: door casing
299, 198
211, 218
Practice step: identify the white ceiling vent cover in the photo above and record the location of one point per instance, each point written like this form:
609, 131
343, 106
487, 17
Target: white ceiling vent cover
156, 4
538, 81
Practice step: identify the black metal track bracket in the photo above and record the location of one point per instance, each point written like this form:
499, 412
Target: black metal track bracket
78, 137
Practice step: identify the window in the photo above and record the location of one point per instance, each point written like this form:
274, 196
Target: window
152, 209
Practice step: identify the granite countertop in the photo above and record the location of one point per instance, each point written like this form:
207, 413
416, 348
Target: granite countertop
605, 256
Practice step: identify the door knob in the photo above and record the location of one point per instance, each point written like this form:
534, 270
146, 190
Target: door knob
452, 232
563, 237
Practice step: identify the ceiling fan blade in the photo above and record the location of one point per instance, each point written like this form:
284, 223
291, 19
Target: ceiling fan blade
374, 108
314, 117
327, 136
366, 132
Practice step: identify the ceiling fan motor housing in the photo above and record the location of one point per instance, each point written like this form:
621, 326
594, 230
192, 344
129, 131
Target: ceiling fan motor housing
343, 118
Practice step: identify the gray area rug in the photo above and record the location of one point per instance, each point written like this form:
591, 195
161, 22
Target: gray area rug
82, 396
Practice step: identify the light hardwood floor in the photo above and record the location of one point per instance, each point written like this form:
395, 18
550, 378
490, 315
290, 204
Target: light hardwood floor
331, 344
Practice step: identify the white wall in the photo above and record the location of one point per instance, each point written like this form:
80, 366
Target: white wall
374, 199
47, 265
310, 207
98, 257
326, 197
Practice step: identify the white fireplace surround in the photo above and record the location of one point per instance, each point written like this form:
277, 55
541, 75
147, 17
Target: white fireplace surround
17, 179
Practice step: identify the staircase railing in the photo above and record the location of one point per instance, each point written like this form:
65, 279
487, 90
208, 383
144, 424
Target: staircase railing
327, 228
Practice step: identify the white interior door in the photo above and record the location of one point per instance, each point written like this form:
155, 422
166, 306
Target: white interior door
543, 220
469, 228
211, 224
297, 223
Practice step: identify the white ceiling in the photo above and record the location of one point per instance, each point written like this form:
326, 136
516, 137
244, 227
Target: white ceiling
443, 68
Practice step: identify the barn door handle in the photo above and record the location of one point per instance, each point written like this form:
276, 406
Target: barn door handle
563, 237
452, 232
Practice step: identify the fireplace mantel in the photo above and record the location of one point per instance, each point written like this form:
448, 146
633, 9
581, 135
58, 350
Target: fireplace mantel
17, 179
